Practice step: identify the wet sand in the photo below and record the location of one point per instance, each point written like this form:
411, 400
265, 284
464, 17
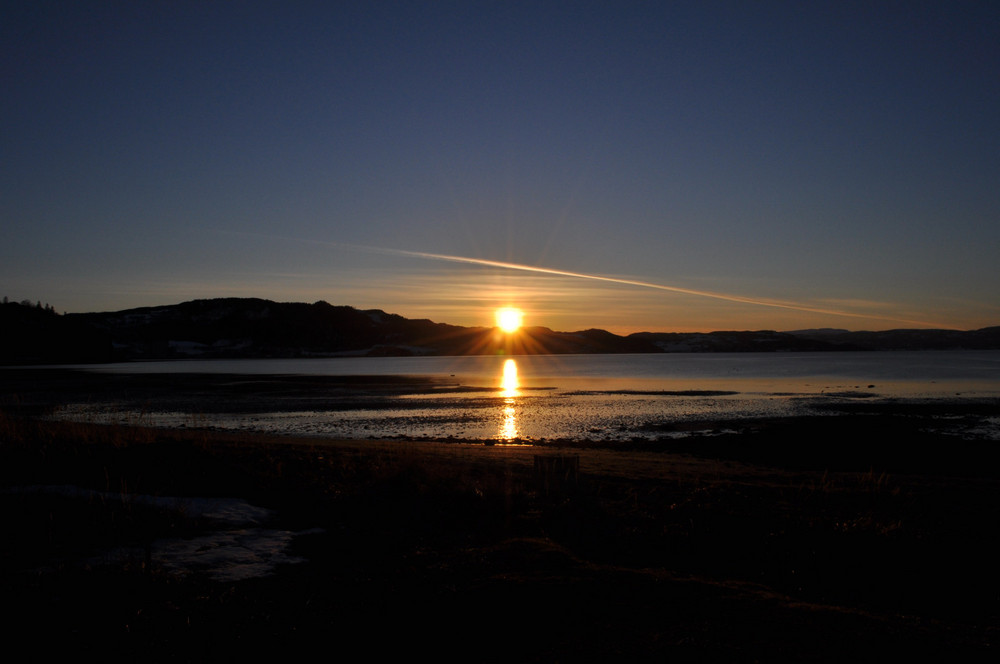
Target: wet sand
871, 540
437, 408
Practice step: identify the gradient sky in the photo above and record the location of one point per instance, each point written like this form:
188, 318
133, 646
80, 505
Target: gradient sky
842, 159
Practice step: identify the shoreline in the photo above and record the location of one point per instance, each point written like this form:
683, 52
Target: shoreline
711, 556
424, 409
791, 539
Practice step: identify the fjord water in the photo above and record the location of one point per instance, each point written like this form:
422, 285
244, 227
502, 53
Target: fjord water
901, 373
600, 397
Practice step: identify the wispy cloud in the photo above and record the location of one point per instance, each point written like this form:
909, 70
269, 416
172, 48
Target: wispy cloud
446, 293
795, 306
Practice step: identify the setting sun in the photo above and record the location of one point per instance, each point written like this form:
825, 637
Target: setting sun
509, 319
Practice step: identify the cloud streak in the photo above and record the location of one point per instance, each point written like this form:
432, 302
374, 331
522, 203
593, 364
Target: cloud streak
632, 282
638, 283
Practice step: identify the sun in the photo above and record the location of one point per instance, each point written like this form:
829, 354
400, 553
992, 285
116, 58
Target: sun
509, 319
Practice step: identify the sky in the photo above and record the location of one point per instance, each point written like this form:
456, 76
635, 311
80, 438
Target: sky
631, 166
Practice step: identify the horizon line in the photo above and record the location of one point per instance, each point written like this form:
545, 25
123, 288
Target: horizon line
524, 327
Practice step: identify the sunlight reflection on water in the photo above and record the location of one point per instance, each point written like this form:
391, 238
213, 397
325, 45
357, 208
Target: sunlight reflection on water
602, 398
509, 385
499, 418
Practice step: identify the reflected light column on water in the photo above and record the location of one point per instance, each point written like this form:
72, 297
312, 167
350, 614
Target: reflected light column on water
509, 385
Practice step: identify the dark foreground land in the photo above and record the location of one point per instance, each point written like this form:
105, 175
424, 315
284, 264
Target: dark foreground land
812, 539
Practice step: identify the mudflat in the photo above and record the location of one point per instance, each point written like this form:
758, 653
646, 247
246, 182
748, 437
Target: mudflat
795, 539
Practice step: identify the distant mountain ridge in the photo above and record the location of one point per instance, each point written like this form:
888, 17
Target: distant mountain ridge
251, 327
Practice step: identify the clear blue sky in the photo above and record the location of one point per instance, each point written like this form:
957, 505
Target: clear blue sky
839, 158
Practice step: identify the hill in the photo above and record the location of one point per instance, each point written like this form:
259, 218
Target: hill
251, 327
32, 334
262, 328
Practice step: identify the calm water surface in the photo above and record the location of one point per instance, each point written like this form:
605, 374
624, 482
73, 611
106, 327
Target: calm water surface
600, 397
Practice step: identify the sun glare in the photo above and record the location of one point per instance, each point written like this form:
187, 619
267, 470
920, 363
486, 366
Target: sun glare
509, 319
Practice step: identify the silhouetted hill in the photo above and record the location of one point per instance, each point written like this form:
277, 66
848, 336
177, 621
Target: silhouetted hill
983, 339
731, 342
260, 328
826, 339
31, 334
249, 327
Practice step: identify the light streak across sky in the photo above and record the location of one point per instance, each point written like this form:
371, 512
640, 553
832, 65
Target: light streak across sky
483, 262
638, 283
